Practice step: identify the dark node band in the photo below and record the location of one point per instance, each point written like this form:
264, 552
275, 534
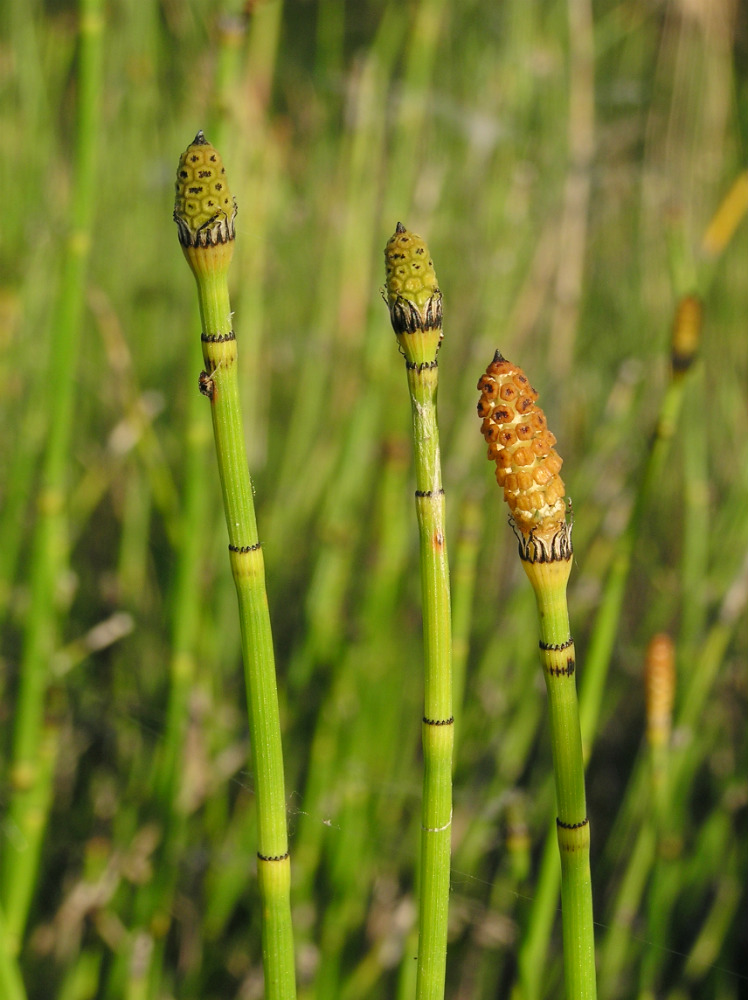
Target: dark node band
682, 362
215, 231
203, 237
277, 857
413, 366
406, 317
552, 647
430, 493
242, 549
439, 722
567, 671
572, 826
540, 549
217, 338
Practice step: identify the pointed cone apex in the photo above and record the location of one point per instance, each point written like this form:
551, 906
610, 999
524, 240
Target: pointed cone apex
204, 208
413, 296
498, 357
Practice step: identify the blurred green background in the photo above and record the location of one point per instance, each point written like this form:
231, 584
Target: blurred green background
564, 160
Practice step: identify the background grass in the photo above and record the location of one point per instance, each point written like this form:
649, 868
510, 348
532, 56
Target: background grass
563, 161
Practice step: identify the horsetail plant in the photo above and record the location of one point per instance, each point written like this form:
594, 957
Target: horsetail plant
205, 211
527, 467
415, 304
684, 345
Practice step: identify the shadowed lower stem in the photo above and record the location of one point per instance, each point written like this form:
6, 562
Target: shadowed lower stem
205, 214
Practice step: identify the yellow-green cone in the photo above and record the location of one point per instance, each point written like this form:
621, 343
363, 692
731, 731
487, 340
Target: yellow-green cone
204, 208
413, 296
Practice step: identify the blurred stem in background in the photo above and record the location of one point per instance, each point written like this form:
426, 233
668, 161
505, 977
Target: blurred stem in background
685, 338
11, 981
415, 304
575, 214
659, 684
597, 663
464, 579
32, 769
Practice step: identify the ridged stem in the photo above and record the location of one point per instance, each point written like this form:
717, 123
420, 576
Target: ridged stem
415, 303
438, 723
602, 642
222, 387
549, 580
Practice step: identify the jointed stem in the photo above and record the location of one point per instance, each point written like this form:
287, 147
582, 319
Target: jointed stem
438, 727
273, 864
200, 172
414, 301
430, 510
527, 467
557, 649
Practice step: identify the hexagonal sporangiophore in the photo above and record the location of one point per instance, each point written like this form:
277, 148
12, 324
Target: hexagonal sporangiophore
413, 296
527, 466
204, 208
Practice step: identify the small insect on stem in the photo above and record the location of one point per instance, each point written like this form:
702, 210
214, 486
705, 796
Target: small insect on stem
206, 383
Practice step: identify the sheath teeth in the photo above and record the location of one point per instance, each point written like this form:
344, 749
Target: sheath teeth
413, 296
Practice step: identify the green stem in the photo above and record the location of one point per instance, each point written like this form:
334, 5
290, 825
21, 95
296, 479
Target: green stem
11, 981
204, 212
30, 776
273, 864
414, 301
166, 778
537, 932
549, 580
605, 629
600, 652
438, 723
617, 944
